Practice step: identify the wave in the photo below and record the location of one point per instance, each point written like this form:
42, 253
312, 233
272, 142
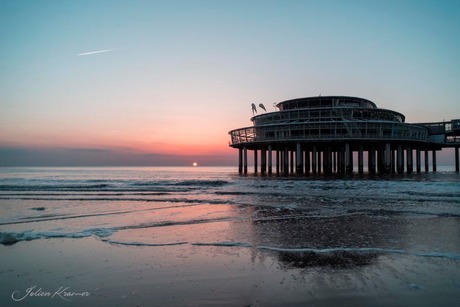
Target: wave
142, 243
388, 212
83, 189
9, 238
107, 199
114, 185
54, 217
61, 187
91, 193
206, 183
235, 193
261, 214
434, 194
224, 243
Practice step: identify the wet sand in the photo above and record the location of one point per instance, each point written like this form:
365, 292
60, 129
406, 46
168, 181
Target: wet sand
209, 275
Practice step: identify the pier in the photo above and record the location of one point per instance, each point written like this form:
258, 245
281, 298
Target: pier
341, 134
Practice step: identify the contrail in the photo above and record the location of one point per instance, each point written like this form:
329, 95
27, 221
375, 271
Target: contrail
98, 51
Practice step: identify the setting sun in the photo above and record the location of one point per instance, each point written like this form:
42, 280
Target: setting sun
195, 164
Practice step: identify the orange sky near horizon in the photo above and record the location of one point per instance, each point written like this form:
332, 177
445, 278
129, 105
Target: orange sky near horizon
190, 141
179, 131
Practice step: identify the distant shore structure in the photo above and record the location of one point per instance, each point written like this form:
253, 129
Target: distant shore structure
327, 133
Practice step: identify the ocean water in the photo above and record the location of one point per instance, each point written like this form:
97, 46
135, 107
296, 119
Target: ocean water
295, 213
405, 227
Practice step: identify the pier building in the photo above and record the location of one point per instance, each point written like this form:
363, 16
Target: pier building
335, 134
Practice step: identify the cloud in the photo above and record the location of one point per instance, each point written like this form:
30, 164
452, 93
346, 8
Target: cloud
97, 51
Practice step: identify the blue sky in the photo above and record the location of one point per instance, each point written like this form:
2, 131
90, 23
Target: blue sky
181, 74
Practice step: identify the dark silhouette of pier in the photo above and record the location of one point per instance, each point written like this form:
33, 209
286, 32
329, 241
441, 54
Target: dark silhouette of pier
326, 134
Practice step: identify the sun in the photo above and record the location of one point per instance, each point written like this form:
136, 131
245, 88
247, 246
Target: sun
195, 164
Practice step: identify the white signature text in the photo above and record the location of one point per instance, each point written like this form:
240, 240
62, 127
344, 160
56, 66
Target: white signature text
63, 292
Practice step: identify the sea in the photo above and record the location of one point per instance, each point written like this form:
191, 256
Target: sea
300, 222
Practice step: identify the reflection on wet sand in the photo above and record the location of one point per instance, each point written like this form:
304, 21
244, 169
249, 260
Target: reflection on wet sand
341, 242
335, 260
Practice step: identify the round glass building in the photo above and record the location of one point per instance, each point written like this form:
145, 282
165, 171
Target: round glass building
320, 134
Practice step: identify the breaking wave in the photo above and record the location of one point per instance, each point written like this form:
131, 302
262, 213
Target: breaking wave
9, 238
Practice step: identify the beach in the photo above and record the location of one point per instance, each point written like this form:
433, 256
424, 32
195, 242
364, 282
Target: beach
207, 237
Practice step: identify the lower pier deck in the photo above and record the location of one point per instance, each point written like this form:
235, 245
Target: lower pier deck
342, 157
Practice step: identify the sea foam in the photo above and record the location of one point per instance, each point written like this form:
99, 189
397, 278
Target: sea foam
9, 238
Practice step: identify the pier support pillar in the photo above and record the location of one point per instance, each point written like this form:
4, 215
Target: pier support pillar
281, 161
400, 160
324, 161
240, 160
318, 163
387, 158
245, 160
334, 161
371, 160
351, 161
457, 162
277, 161
340, 162
348, 161
286, 161
314, 156
298, 159
263, 161
393, 161
434, 160
328, 160
417, 160
307, 161
360, 159
270, 159
255, 161
426, 161
409, 160
381, 159
292, 162
325, 170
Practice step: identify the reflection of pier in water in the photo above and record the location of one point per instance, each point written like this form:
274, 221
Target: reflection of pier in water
326, 134
333, 259
340, 242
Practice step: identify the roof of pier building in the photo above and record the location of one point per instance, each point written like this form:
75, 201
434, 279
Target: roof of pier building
327, 108
325, 101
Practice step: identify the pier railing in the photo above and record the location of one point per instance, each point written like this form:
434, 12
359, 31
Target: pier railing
329, 131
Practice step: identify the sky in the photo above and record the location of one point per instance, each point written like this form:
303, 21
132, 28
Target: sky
162, 82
